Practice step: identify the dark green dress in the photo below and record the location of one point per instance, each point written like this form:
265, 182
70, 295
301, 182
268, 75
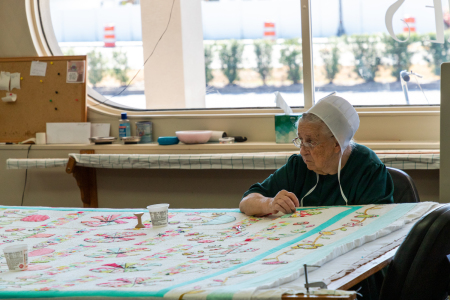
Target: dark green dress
364, 180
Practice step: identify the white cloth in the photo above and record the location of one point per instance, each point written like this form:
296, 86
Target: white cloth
343, 121
340, 117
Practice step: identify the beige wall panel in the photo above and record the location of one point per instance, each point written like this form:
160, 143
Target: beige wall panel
180, 188
427, 184
11, 181
394, 127
15, 38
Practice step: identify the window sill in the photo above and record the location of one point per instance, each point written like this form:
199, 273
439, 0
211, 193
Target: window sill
245, 147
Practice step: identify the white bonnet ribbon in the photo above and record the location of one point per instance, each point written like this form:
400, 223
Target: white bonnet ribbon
310, 191
339, 180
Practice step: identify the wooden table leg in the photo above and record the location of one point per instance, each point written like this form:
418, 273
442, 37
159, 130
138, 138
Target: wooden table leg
319, 297
86, 180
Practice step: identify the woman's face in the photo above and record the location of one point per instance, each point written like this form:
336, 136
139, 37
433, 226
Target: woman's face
323, 157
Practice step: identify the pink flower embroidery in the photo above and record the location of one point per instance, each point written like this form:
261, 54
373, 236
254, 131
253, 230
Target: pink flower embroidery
35, 218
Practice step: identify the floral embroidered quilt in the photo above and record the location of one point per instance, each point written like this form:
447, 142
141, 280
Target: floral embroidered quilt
201, 254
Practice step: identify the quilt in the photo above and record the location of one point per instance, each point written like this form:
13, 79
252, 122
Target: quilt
201, 254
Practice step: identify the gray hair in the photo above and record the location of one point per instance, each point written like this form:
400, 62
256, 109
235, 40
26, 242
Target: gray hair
312, 118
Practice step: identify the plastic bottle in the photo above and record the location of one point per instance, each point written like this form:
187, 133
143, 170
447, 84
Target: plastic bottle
124, 126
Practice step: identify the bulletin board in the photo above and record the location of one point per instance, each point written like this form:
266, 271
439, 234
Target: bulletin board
42, 99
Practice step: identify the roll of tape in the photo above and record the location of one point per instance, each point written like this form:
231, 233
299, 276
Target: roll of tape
216, 135
41, 138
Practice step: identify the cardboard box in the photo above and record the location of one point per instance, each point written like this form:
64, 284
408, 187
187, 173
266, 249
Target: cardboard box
286, 127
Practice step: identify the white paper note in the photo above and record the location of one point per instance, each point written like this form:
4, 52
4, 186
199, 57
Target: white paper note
10, 97
68, 133
38, 68
100, 129
4, 81
15, 81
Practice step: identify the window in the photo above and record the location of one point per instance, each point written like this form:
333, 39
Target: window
355, 56
109, 32
236, 53
264, 40
251, 49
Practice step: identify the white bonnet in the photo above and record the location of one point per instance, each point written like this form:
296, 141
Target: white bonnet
340, 117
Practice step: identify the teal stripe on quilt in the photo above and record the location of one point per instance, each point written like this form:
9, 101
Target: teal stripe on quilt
391, 216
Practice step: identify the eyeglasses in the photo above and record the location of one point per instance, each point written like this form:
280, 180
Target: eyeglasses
308, 146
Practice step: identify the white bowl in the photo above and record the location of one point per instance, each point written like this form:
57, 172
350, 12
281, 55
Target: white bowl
194, 136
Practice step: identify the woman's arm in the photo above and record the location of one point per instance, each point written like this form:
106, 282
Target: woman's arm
258, 205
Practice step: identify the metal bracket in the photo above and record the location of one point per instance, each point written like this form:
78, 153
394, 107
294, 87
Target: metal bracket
319, 284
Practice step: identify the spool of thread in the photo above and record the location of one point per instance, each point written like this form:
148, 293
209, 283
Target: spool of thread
216, 135
41, 138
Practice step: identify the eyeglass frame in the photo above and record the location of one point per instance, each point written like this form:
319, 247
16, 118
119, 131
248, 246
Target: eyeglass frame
306, 145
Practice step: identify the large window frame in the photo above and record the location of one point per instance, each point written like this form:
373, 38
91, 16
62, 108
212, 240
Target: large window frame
410, 124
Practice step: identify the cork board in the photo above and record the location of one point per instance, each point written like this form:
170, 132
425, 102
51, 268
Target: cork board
41, 99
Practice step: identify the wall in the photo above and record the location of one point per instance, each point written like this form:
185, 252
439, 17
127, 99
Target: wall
14, 31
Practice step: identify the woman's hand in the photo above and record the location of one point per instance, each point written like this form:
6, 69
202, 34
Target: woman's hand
285, 202
256, 204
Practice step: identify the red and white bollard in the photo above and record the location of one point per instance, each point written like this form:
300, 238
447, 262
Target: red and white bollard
411, 21
269, 30
109, 36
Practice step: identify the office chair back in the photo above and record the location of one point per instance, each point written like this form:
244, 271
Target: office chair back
406, 272
404, 188
429, 274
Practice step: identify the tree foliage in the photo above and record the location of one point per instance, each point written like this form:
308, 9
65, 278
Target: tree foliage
120, 67
291, 56
330, 56
263, 52
208, 60
367, 54
437, 53
231, 56
399, 53
96, 64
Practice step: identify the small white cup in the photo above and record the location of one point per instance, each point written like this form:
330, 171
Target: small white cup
158, 214
16, 257
41, 139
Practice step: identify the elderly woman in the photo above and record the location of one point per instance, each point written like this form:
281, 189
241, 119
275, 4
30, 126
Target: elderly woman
330, 170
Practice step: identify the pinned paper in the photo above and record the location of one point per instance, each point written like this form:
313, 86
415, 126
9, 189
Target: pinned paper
4, 81
10, 97
75, 71
15, 81
282, 104
38, 68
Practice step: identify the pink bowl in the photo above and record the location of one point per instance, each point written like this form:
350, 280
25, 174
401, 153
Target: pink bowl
194, 136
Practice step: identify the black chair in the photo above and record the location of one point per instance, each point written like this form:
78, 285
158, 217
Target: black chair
420, 268
404, 188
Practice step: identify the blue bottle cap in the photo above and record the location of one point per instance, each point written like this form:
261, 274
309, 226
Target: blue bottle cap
123, 116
